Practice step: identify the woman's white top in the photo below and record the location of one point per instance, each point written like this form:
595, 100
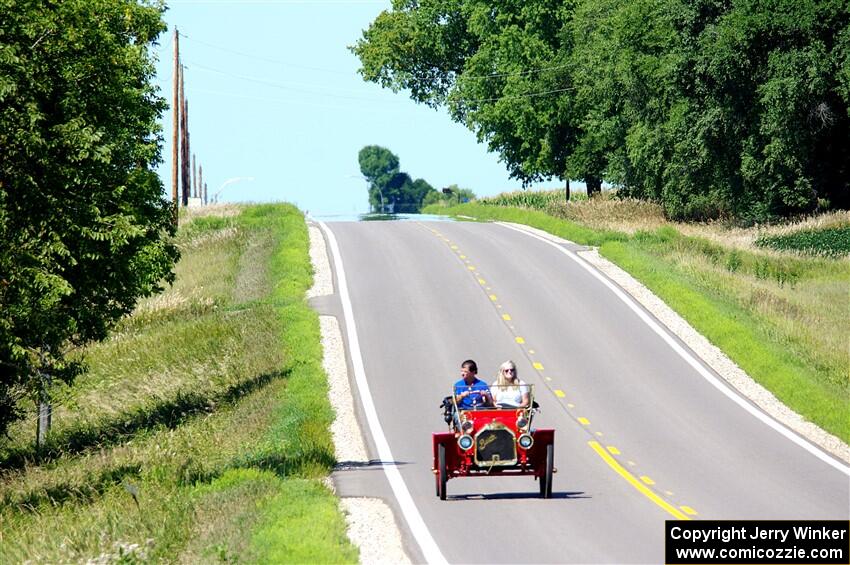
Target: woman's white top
509, 395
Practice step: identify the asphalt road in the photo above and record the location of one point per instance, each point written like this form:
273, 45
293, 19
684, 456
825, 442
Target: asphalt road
426, 295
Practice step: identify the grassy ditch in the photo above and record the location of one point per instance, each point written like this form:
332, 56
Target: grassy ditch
782, 318
200, 432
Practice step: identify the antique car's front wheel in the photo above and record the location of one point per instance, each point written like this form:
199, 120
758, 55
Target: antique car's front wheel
546, 477
442, 477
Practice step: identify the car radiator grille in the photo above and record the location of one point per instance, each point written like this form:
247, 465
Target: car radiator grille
495, 447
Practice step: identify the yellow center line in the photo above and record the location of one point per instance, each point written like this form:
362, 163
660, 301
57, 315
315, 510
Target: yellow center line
682, 512
635, 482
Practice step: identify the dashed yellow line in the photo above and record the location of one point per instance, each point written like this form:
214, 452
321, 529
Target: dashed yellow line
682, 513
636, 483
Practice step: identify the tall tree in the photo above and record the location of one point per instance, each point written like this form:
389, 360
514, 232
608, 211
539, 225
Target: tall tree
378, 165
711, 107
84, 228
388, 186
500, 69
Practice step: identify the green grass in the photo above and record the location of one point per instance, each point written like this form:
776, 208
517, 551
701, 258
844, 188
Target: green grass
783, 319
196, 415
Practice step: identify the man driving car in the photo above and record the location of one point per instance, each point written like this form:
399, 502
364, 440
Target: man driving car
470, 391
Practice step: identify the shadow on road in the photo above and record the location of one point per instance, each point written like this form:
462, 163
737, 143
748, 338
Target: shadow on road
564, 495
366, 465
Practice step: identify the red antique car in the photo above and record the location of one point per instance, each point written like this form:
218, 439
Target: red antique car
493, 440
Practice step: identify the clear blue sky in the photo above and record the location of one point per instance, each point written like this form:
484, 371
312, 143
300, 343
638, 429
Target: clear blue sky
274, 94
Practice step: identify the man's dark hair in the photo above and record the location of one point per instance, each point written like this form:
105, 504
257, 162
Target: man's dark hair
470, 364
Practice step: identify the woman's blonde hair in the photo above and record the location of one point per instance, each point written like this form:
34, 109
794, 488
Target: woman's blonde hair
502, 380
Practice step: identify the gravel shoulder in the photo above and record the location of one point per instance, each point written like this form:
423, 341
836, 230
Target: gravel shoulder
371, 524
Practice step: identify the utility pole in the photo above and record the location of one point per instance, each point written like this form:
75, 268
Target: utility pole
175, 145
194, 177
200, 193
184, 143
206, 201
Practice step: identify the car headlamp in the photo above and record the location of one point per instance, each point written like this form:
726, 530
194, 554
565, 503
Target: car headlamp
525, 441
466, 426
465, 442
522, 423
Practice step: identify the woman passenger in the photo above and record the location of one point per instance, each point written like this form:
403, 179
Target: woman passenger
508, 390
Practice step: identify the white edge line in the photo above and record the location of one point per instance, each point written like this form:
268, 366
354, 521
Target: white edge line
414, 520
688, 356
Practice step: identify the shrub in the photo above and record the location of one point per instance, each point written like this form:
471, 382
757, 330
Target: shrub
833, 242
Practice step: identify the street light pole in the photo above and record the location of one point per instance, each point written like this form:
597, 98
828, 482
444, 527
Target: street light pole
227, 182
380, 193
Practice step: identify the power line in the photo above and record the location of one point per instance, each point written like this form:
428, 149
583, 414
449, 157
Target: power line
265, 59
420, 78
523, 95
296, 101
284, 86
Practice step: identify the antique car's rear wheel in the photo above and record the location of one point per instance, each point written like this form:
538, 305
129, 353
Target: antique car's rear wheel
442, 477
546, 477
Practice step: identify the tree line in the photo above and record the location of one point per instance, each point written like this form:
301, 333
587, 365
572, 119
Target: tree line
394, 191
713, 108
84, 228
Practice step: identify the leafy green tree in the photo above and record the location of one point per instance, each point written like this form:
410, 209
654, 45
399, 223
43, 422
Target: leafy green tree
711, 107
500, 69
454, 196
379, 165
84, 228
387, 185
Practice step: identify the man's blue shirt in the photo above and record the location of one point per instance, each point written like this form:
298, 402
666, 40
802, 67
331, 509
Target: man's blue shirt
476, 398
